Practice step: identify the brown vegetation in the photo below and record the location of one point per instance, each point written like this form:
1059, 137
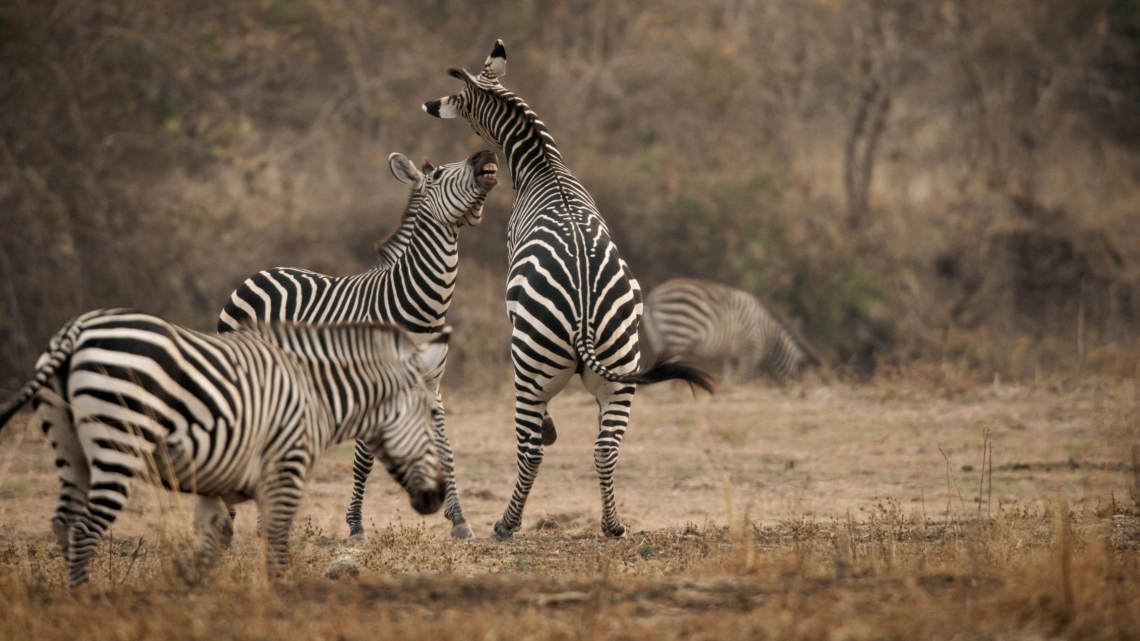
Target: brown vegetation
935, 180
941, 193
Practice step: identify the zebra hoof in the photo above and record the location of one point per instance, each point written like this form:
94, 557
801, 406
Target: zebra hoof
549, 433
60, 528
501, 532
461, 531
357, 534
618, 532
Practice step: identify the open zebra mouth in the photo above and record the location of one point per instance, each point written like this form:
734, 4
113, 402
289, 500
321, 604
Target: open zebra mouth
489, 170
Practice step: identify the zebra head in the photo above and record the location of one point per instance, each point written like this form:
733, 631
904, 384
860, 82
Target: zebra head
479, 96
403, 438
453, 194
499, 116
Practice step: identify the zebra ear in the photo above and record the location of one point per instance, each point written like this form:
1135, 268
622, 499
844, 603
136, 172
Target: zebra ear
434, 352
404, 170
496, 64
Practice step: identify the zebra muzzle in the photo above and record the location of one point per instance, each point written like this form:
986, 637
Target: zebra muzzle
429, 500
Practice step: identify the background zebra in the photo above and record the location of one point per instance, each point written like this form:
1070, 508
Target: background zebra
572, 301
124, 395
412, 286
704, 320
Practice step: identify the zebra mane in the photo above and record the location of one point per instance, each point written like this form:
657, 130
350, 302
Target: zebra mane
389, 250
550, 152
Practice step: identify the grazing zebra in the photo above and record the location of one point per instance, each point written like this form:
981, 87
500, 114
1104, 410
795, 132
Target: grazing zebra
124, 395
572, 301
699, 319
411, 286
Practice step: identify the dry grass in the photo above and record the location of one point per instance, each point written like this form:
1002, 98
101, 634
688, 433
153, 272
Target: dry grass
814, 512
1023, 575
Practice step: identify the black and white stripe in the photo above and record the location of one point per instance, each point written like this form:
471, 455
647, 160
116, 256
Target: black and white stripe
703, 320
125, 396
572, 301
411, 286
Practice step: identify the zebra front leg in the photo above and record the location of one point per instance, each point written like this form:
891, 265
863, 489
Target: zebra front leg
614, 403
528, 434
280, 499
362, 461
451, 508
70, 462
226, 536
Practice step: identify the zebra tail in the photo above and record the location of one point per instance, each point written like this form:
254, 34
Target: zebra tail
662, 370
46, 370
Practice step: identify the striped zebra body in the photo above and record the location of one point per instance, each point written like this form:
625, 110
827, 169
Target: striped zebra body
703, 320
125, 396
411, 286
572, 301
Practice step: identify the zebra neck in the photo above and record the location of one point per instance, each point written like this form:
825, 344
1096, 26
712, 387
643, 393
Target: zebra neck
415, 292
531, 158
343, 402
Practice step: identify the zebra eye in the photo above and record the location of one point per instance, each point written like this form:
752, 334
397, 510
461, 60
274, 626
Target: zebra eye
437, 174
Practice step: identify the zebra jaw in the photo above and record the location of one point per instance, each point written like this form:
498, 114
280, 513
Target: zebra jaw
489, 174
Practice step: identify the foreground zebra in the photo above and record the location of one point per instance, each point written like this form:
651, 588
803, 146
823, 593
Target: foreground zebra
124, 395
572, 301
698, 319
412, 286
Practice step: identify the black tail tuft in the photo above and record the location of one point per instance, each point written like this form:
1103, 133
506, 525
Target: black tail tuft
666, 369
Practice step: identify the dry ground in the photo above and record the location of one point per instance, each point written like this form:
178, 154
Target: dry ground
817, 511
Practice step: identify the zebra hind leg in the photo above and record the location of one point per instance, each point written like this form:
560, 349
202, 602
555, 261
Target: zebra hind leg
70, 462
108, 494
528, 434
549, 433
614, 403
361, 467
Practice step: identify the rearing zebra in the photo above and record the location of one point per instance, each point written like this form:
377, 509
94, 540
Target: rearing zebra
123, 395
698, 319
572, 301
411, 286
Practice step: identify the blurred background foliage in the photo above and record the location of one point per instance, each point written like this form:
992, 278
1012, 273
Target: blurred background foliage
943, 181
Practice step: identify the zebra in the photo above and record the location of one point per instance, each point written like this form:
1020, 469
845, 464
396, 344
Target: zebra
572, 301
123, 395
700, 319
411, 286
